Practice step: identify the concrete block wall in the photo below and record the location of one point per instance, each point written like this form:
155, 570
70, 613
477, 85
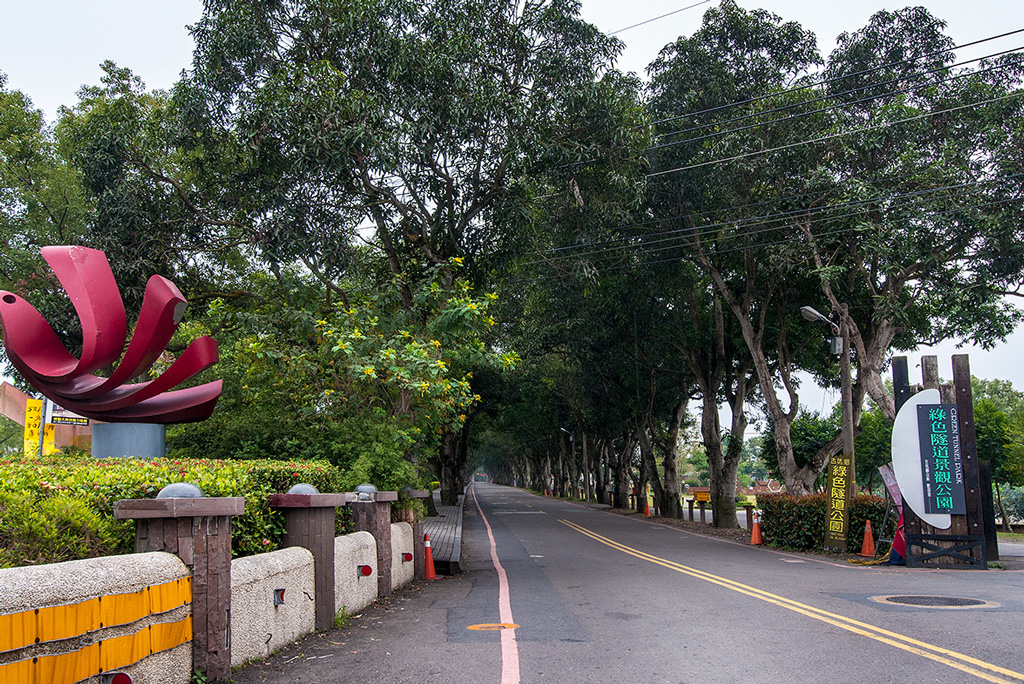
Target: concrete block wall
258, 626
402, 571
65, 622
353, 591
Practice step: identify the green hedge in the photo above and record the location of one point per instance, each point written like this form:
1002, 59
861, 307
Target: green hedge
792, 522
61, 508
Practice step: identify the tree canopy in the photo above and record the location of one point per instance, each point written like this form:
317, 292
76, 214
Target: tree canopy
427, 232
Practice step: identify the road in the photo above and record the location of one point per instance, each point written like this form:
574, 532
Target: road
600, 597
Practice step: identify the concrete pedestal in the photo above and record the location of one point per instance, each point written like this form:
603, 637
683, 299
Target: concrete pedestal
134, 440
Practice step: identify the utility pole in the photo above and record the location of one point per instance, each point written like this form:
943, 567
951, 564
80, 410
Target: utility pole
842, 472
846, 391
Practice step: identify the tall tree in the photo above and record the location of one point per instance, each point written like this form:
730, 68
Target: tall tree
720, 171
409, 125
920, 235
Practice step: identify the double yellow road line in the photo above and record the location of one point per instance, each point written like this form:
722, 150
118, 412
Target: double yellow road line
959, 661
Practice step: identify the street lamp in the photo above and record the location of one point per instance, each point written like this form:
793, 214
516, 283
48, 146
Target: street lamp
572, 455
842, 332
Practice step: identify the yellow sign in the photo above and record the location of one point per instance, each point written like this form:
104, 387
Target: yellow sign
49, 439
701, 494
33, 424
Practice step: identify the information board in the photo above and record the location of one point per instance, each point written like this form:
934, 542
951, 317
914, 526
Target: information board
942, 468
840, 480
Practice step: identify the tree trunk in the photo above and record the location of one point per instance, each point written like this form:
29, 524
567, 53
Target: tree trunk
450, 479
1002, 511
622, 475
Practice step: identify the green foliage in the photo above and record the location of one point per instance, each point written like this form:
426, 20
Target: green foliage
1013, 503
36, 528
809, 432
342, 618
799, 522
95, 485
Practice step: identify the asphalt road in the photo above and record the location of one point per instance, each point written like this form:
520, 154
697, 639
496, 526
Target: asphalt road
605, 598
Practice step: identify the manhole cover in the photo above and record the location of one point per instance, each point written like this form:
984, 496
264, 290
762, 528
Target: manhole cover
936, 601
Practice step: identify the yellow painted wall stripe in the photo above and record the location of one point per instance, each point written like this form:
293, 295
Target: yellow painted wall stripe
102, 656
938, 654
52, 623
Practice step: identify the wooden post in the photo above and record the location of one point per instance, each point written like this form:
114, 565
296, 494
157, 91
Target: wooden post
973, 492
375, 517
198, 531
309, 523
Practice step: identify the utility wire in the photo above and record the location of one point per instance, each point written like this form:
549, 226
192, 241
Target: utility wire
770, 216
814, 84
824, 138
820, 215
648, 21
824, 98
772, 243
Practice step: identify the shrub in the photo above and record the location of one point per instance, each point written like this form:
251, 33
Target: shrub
799, 522
36, 528
94, 485
1013, 502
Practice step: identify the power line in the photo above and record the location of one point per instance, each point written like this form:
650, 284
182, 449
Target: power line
772, 243
824, 98
811, 141
678, 234
814, 84
768, 202
648, 21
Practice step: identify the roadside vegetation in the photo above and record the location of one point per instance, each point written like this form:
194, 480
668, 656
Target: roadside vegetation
445, 236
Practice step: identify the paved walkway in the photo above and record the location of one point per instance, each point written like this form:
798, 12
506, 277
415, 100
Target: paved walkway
445, 530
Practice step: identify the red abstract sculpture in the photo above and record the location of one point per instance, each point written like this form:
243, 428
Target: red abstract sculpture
34, 349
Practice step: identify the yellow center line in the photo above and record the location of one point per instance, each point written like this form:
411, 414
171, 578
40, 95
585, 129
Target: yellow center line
920, 648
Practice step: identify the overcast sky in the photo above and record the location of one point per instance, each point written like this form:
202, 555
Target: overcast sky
51, 48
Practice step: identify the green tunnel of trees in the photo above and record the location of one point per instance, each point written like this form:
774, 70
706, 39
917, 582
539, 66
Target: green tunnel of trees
436, 236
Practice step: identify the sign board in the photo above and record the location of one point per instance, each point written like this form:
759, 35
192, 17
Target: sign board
61, 416
49, 439
891, 486
701, 493
33, 426
840, 479
942, 466
906, 458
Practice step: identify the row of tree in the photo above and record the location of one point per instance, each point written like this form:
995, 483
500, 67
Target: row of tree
419, 229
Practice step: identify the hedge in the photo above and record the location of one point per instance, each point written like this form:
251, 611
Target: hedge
793, 522
61, 508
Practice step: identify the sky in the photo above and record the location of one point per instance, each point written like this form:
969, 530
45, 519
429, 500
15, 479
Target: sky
53, 47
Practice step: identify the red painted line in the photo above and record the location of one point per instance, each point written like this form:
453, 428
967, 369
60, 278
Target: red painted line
509, 646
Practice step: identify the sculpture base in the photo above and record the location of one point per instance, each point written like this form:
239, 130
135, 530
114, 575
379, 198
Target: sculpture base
128, 440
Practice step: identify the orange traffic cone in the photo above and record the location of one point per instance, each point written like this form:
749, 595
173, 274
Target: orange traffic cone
755, 533
868, 547
428, 559
647, 507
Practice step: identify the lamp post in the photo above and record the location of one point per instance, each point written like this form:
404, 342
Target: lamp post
847, 470
572, 455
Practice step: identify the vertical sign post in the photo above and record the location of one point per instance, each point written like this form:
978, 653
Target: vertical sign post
839, 487
33, 426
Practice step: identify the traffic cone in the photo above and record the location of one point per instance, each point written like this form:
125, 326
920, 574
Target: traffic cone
755, 533
868, 547
647, 507
428, 559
